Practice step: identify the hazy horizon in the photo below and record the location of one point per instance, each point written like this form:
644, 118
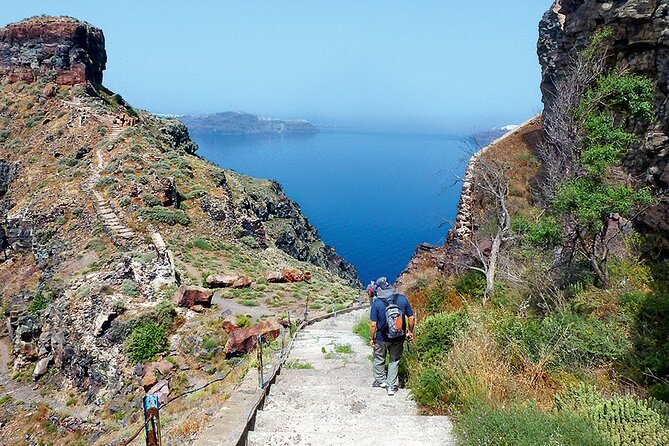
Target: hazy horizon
439, 68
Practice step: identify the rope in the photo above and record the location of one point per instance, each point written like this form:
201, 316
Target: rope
188, 392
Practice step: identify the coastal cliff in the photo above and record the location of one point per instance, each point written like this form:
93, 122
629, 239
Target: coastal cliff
115, 230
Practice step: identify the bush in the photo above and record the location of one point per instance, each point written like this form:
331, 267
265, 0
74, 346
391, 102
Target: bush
526, 426
130, 288
471, 284
145, 342
362, 328
563, 340
622, 420
435, 334
164, 215
151, 200
428, 387
39, 303
165, 312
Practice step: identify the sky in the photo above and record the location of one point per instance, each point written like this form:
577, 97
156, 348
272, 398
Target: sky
442, 66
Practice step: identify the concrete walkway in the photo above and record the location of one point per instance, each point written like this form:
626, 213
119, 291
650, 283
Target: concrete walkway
323, 397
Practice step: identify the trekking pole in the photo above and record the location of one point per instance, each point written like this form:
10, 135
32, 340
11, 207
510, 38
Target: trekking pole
261, 378
152, 413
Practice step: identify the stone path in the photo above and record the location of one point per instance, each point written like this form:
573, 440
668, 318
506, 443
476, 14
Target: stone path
109, 218
333, 403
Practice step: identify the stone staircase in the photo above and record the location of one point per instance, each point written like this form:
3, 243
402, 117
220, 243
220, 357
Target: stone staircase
332, 402
109, 218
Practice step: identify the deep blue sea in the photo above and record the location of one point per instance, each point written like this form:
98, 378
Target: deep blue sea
372, 196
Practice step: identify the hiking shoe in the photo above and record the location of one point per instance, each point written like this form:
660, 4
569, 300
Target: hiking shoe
391, 391
381, 384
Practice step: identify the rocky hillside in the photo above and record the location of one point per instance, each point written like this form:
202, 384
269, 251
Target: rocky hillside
245, 124
639, 44
108, 210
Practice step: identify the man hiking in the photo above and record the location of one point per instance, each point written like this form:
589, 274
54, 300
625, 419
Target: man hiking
387, 331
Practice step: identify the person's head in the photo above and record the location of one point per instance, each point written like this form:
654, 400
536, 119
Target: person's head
382, 283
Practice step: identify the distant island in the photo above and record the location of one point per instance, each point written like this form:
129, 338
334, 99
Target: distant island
246, 124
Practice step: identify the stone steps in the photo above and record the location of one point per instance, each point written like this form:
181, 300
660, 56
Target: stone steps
333, 403
374, 438
409, 428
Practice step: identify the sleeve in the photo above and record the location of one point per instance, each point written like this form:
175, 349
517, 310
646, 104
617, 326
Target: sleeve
407, 307
373, 313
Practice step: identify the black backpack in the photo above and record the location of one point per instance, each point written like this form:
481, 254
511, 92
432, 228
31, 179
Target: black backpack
394, 318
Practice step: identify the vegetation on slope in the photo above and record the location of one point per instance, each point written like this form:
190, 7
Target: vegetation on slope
571, 347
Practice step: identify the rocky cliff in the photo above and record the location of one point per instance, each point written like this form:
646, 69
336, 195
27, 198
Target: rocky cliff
65, 51
106, 211
640, 44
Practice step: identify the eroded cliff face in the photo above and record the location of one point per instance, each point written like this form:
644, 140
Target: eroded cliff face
108, 210
59, 49
640, 44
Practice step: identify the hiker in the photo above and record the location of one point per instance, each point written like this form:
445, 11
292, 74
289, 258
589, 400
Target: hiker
387, 331
371, 291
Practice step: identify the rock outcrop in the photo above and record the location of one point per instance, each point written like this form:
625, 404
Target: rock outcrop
640, 44
58, 49
246, 124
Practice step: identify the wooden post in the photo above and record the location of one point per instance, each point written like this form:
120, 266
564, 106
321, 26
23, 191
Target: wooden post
261, 378
151, 412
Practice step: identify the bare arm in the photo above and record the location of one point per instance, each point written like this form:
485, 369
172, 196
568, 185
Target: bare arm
372, 333
412, 323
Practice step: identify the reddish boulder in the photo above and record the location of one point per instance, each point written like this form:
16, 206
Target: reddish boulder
242, 282
307, 276
292, 275
221, 280
273, 277
189, 296
243, 340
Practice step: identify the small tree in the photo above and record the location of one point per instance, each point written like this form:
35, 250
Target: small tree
590, 200
492, 183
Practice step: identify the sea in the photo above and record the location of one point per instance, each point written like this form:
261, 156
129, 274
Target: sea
373, 196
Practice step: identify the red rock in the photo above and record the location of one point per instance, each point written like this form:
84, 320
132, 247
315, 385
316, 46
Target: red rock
149, 379
243, 340
164, 366
308, 276
273, 277
243, 282
50, 91
188, 296
59, 49
221, 280
162, 389
198, 308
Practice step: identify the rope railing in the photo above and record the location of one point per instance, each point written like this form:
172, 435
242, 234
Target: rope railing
152, 419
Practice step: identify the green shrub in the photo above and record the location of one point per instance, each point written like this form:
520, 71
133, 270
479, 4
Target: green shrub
526, 426
343, 348
471, 284
243, 321
209, 344
130, 288
250, 242
362, 328
200, 243
563, 340
151, 200
428, 386
39, 303
435, 334
165, 312
622, 420
164, 215
145, 342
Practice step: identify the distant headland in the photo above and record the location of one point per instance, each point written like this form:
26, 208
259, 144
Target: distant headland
245, 124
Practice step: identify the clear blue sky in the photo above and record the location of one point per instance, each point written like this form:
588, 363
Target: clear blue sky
441, 66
